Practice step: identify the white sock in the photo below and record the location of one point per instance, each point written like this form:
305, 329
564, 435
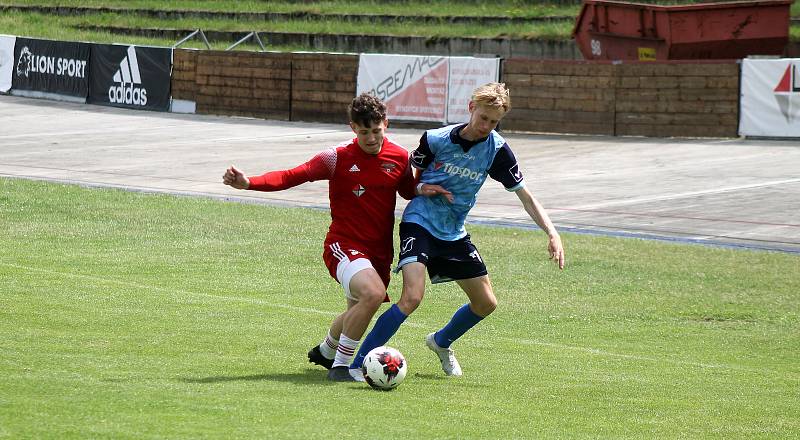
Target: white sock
344, 353
328, 346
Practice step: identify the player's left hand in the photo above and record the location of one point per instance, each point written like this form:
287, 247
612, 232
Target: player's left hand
430, 190
556, 250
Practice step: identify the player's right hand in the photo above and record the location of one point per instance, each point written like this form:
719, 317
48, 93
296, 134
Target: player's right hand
235, 178
430, 190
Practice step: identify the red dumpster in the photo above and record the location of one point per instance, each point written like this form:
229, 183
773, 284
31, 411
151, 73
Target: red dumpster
610, 30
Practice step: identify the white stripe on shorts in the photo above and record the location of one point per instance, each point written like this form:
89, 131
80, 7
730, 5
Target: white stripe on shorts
346, 269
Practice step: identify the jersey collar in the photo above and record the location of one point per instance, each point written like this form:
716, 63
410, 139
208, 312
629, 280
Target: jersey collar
455, 137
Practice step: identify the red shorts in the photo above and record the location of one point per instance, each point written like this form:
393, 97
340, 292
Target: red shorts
344, 259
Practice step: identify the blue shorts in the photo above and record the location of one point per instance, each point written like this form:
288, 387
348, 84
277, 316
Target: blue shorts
445, 260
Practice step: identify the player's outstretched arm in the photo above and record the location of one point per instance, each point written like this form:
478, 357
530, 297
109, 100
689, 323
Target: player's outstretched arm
537, 213
235, 178
431, 190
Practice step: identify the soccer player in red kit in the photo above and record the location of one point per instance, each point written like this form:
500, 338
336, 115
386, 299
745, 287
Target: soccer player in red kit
364, 175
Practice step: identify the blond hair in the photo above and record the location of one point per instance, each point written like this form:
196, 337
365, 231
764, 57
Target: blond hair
492, 95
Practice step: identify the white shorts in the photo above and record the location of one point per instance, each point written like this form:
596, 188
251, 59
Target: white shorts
344, 260
347, 269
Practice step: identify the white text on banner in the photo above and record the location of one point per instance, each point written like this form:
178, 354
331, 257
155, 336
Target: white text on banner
467, 73
414, 88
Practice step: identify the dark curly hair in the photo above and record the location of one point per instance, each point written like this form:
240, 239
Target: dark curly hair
366, 109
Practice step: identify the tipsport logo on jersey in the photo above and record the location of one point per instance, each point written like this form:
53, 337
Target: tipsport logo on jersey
455, 170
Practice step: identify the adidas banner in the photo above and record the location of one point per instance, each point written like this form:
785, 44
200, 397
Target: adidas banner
43, 68
130, 76
770, 98
6, 61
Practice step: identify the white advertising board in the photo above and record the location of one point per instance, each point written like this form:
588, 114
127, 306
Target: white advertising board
467, 73
6, 61
770, 98
425, 88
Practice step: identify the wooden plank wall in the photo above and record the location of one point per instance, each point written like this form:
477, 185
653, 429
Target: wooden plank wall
640, 99
241, 84
322, 86
681, 100
560, 97
184, 68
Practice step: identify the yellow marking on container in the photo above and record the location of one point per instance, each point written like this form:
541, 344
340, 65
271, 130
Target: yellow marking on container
647, 54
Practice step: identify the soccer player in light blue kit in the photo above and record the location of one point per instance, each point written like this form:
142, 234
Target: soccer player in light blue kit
432, 234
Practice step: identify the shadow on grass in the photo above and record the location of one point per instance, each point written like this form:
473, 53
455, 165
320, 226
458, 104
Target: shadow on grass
304, 377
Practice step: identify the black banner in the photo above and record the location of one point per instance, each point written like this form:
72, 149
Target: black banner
130, 76
58, 67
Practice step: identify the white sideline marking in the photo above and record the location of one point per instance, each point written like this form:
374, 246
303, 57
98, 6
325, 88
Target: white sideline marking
683, 195
170, 290
599, 352
587, 350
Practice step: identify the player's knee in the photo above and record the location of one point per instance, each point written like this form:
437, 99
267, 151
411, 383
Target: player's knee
369, 296
410, 300
484, 307
373, 297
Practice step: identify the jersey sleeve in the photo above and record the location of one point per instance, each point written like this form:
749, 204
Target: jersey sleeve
505, 169
320, 167
407, 187
423, 155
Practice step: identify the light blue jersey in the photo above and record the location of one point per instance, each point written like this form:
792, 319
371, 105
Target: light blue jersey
461, 167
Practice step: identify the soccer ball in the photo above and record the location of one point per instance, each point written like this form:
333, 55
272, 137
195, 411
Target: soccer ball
384, 368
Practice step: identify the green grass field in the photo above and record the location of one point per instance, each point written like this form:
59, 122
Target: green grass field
68, 27
512, 8
126, 315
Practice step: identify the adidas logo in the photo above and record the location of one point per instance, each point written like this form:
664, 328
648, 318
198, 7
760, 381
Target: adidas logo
129, 79
354, 168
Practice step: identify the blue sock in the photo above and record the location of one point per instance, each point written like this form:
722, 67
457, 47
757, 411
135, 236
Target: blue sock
463, 320
385, 327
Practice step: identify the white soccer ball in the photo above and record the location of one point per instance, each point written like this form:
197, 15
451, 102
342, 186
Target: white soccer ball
384, 368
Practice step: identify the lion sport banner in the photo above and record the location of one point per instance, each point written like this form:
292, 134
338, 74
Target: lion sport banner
50, 69
770, 98
130, 76
6, 61
425, 88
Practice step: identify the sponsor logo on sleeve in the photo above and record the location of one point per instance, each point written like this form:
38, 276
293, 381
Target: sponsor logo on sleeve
514, 170
417, 158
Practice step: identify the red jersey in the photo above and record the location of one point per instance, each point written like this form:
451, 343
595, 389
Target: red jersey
362, 190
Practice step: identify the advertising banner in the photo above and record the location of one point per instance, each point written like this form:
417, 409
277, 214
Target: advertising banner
6, 61
413, 87
424, 88
770, 98
467, 73
46, 68
130, 76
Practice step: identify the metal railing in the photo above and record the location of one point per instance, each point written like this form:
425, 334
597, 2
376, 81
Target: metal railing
190, 36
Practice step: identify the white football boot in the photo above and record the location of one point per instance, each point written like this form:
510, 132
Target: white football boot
446, 356
357, 374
